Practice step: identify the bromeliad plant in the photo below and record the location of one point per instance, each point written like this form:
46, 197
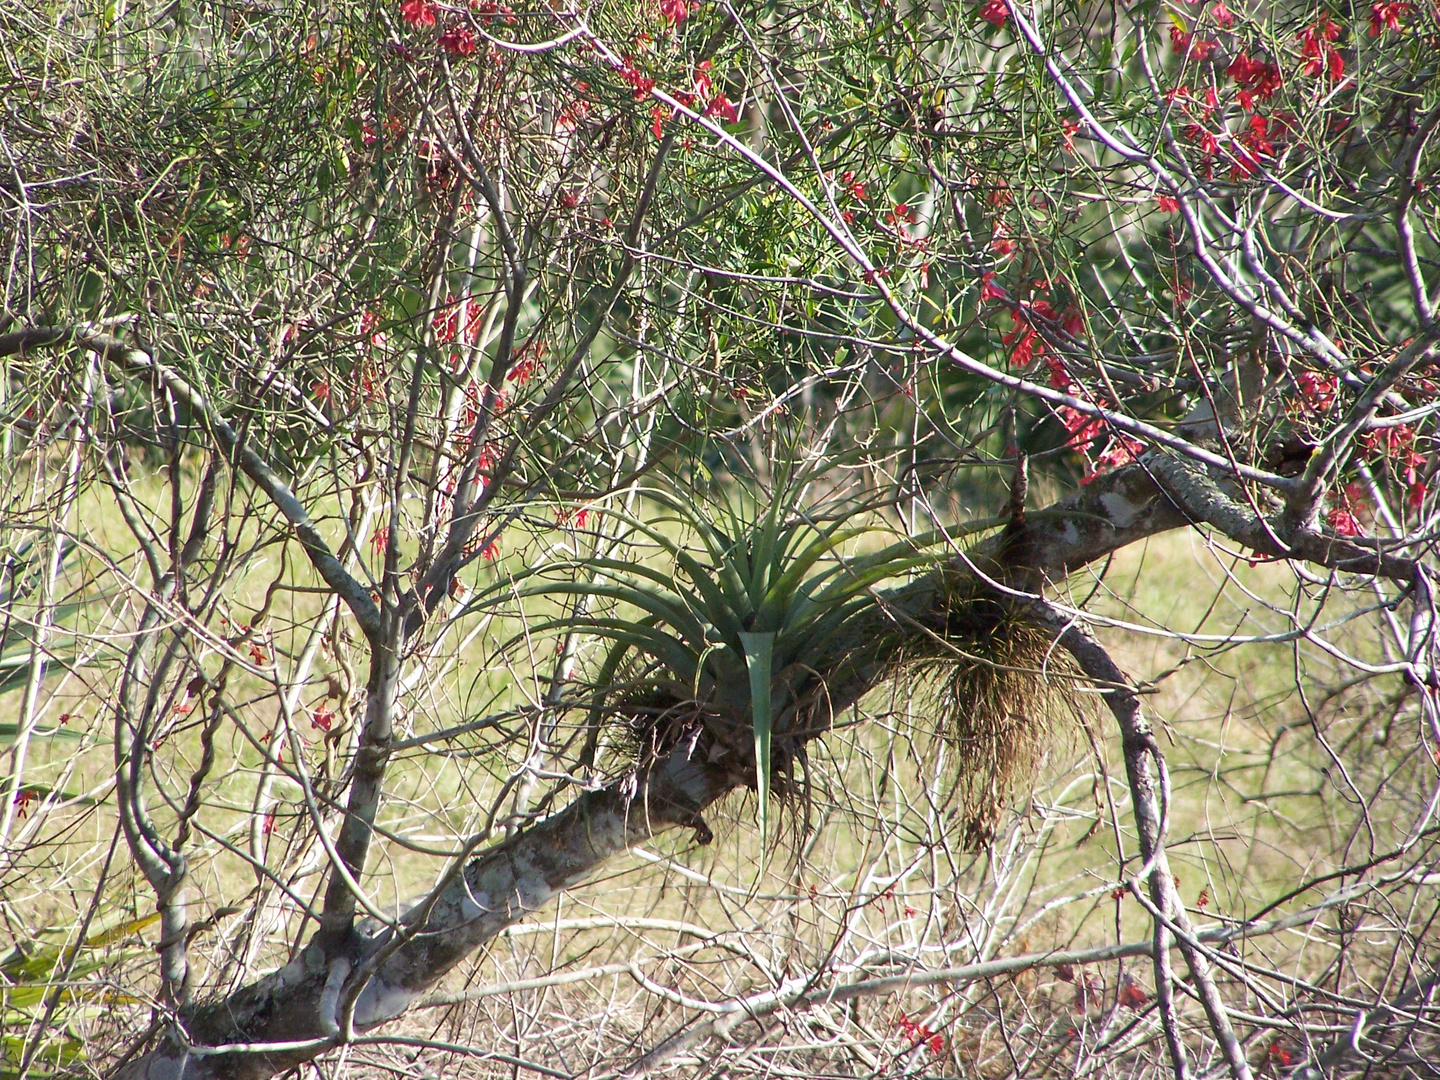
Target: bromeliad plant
746, 617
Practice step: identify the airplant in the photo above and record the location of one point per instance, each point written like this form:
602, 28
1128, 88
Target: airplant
743, 608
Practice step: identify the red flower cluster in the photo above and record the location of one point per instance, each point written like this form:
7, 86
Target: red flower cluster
918, 1034
1343, 520
1318, 391
458, 41
447, 320
418, 13
322, 719
721, 106
640, 84
1191, 48
675, 11
1121, 451
1318, 50
1000, 242
370, 328
1277, 1055
1254, 144
1387, 15
1256, 79
529, 363
1396, 446
492, 13
1207, 142
995, 12
988, 289
857, 187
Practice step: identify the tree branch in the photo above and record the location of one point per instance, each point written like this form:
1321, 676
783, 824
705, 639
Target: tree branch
139, 361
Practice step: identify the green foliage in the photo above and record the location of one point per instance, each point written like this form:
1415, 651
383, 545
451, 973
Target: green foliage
31, 991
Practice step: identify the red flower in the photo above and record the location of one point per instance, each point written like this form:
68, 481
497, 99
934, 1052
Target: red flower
458, 41
1276, 1054
1000, 243
322, 719
1121, 451
489, 551
1343, 521
640, 85
380, 539
1025, 351
1317, 390
919, 1034
674, 11
418, 13
1083, 429
1387, 15
370, 328
1318, 53
1132, 997
1209, 145
1255, 139
1256, 79
721, 106
995, 12
1224, 17
1068, 128
578, 518
988, 289
1168, 204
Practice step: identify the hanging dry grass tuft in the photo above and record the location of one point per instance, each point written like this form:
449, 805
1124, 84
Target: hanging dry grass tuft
1002, 697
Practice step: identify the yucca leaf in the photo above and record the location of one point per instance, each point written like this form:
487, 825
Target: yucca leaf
644, 636
9, 732
759, 657
667, 609
782, 592
722, 550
